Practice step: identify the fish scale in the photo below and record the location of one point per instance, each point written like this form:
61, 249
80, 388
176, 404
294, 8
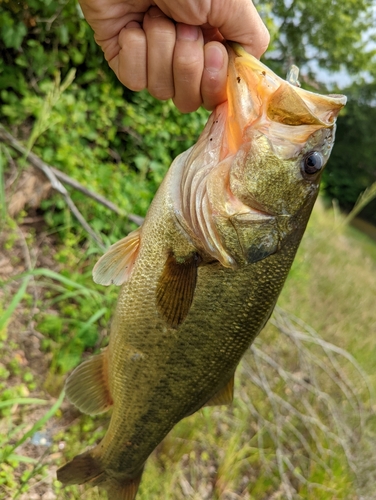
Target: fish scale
201, 277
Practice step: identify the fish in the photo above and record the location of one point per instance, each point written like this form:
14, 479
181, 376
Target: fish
200, 278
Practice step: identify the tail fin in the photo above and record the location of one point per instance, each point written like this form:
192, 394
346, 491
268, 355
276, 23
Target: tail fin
125, 491
85, 468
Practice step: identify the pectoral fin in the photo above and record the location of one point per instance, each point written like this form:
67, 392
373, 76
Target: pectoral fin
87, 386
176, 289
225, 396
115, 266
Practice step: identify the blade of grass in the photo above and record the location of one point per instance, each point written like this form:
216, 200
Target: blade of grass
23, 401
59, 277
66, 295
47, 273
366, 197
92, 320
23, 459
38, 424
14, 303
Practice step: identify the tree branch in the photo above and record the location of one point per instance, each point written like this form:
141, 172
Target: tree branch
55, 183
55, 176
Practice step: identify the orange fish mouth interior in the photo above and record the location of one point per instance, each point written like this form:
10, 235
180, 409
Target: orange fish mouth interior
259, 98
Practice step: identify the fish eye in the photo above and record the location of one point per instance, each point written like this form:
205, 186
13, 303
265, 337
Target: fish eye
313, 162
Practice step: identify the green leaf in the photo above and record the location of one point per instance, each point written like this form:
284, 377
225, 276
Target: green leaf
13, 35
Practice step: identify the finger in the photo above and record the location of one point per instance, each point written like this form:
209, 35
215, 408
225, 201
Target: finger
188, 64
160, 36
108, 18
214, 76
240, 22
130, 64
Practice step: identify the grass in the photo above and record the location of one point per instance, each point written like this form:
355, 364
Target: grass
301, 425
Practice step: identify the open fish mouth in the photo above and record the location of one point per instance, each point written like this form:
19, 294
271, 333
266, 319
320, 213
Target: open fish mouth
283, 101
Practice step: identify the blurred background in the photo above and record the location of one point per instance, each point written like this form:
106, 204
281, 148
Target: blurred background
80, 160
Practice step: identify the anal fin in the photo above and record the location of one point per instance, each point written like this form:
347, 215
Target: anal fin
176, 289
82, 469
87, 386
116, 265
223, 397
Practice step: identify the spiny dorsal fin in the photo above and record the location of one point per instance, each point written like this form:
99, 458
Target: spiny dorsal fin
115, 266
87, 386
223, 397
176, 289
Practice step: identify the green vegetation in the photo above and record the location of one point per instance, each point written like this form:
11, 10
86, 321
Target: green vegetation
302, 424
353, 159
342, 41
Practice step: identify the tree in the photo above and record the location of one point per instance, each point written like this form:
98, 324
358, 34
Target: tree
334, 34
353, 161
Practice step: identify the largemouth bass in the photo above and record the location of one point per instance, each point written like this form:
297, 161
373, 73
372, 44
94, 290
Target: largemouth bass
201, 276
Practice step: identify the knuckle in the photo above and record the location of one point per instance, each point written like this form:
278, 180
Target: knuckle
264, 39
161, 93
211, 85
135, 81
135, 88
135, 85
188, 63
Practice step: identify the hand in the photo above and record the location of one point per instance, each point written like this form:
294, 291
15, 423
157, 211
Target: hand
173, 47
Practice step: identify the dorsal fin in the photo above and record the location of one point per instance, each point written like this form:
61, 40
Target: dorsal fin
87, 386
115, 266
223, 397
176, 289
